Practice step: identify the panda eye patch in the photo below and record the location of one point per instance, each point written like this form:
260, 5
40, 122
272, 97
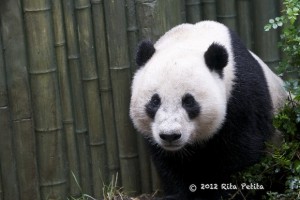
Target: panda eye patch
153, 105
190, 105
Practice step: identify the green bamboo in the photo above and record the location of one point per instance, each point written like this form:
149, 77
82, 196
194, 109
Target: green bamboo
244, 22
120, 78
183, 10
265, 43
45, 98
193, 11
133, 42
105, 88
173, 10
83, 177
65, 95
144, 161
19, 96
209, 10
1, 190
145, 12
7, 156
132, 31
226, 13
3, 87
156, 17
91, 95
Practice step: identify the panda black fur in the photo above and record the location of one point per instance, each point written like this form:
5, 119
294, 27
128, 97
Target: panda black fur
202, 131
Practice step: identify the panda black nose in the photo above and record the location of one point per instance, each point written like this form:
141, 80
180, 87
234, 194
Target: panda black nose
170, 137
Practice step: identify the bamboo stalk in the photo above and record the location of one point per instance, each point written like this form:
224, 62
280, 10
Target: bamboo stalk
183, 11
7, 156
265, 43
120, 77
132, 41
209, 10
226, 13
91, 94
19, 96
83, 177
244, 22
145, 166
132, 31
8, 162
1, 190
172, 10
45, 99
193, 11
105, 88
65, 94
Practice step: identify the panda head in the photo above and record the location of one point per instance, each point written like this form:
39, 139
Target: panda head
179, 95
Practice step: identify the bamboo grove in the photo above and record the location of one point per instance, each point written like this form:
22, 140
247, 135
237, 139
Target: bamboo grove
65, 75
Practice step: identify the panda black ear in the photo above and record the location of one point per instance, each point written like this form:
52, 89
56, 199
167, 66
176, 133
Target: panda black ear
144, 53
216, 58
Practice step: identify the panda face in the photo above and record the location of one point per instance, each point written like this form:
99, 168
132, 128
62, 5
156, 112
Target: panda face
180, 93
175, 102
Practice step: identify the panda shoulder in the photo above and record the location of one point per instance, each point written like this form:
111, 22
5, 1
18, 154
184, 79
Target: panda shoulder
275, 85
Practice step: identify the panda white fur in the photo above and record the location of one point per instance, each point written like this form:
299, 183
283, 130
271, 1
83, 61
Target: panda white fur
205, 105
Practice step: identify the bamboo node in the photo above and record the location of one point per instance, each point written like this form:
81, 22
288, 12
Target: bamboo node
73, 57
22, 120
120, 67
95, 144
58, 44
132, 29
81, 131
108, 89
53, 183
48, 130
129, 156
3, 107
92, 78
37, 9
82, 7
42, 71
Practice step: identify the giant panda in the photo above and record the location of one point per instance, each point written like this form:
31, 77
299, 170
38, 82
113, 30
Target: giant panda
205, 104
